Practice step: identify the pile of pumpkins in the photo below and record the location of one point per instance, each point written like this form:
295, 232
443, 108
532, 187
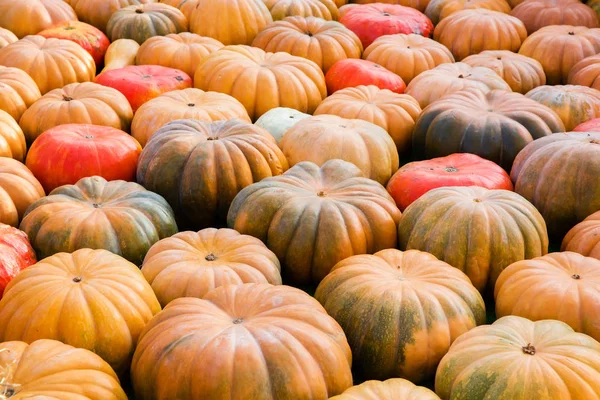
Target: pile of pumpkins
299, 199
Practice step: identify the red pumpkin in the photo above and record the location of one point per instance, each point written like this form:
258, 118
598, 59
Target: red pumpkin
592, 125
66, 153
461, 169
16, 254
141, 83
92, 39
354, 72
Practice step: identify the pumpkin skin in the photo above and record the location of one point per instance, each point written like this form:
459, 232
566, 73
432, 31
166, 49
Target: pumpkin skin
584, 237
18, 189
370, 291
278, 120
586, 72
262, 81
185, 6
98, 12
191, 264
415, 179
53, 370
121, 53
77, 103
437, 10
594, 5
28, 17
324, 42
66, 153
537, 14
16, 254
351, 73
118, 216
407, 55
7, 37
190, 163
17, 91
184, 104
593, 125
391, 389
12, 139
490, 230
92, 39
281, 9
112, 304
520, 72
334, 201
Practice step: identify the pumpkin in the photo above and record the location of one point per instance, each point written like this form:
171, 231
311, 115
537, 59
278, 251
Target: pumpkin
278, 120
470, 32
66, 153
437, 10
583, 238
103, 295
17, 91
7, 37
52, 63
191, 264
496, 125
586, 72
191, 164
92, 39
393, 333
77, 103
28, 17
477, 230
450, 78
574, 104
351, 73
121, 53
16, 254
245, 18
416, 178
417, 4
312, 217
98, 12
593, 125
391, 389
520, 72
325, 9
184, 51
548, 44
118, 216
185, 6
558, 174
54, 370
12, 139
370, 21
324, 42
594, 5
396, 113
347, 7
537, 14
262, 81
18, 189
184, 104
407, 55
141, 22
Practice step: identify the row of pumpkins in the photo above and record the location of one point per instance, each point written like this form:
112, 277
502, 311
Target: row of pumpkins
171, 164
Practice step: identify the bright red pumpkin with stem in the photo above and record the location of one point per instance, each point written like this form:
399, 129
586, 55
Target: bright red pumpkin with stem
66, 153
354, 72
92, 39
592, 125
16, 254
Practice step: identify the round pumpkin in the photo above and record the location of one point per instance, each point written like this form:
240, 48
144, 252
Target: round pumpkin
16, 254
92, 39
262, 81
121, 53
396, 113
7, 37
416, 4
191, 264
321, 41
495, 125
118, 216
477, 230
537, 14
199, 167
90, 299
18, 189
520, 72
184, 104
312, 217
393, 333
584, 237
593, 125
28, 17
278, 120
280, 9
12, 139
391, 389
17, 91
586, 72
77, 103
407, 55
352, 72
437, 10
66, 153
52, 63
98, 12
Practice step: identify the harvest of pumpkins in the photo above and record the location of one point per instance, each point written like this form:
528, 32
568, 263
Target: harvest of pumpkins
300, 199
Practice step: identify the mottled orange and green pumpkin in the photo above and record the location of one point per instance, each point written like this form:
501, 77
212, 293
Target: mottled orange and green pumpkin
391, 389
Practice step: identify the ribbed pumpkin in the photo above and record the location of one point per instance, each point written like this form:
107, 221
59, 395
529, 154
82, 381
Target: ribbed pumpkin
98, 12
593, 125
184, 51
77, 103
7, 37
241, 342
391, 389
476, 230
325, 137
517, 358
92, 39
18, 189
278, 120
118, 216
12, 139
90, 299
185, 6
312, 217
353, 72
407, 55
396, 113
450, 78
416, 4
262, 81
17, 91
316, 39
121, 53
16, 254
584, 238
401, 311
537, 14
594, 5
437, 10
54, 370
184, 104
199, 167
586, 72
496, 125
191, 264
52, 63
141, 22
520, 72
280, 9
28, 17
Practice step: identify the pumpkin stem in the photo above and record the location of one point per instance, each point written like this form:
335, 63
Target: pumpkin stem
461, 76
238, 320
450, 169
529, 349
386, 14
571, 33
139, 11
575, 276
178, 78
191, 104
66, 98
321, 194
210, 257
77, 279
595, 141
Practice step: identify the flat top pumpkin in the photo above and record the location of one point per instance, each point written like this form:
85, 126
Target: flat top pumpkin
536, 14
28, 17
437, 10
391, 389
280, 9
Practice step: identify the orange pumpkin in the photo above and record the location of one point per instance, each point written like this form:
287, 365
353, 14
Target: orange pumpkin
12, 139
7, 37
280, 9
18, 190
584, 238
17, 91
28, 17
185, 6
437, 10
537, 14
586, 72
98, 12
391, 389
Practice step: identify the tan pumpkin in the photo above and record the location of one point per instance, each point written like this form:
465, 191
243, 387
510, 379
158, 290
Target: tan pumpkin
28, 17
537, 14
98, 12
262, 81
121, 53
12, 140
17, 91
520, 72
584, 238
586, 72
280, 9
18, 190
437, 10
391, 389
321, 41
7, 37
183, 104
